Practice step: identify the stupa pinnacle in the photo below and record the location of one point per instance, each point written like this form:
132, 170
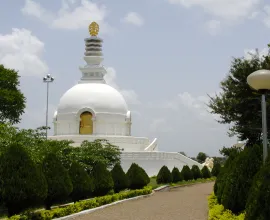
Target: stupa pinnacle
93, 71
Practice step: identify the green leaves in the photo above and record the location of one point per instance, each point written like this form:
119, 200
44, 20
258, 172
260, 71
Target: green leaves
239, 105
12, 101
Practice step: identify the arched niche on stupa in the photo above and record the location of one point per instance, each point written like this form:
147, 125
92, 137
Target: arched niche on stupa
85, 120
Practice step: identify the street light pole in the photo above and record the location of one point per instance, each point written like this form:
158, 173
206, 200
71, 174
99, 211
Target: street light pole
264, 128
260, 81
47, 79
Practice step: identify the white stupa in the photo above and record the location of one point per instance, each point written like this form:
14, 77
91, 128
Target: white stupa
94, 110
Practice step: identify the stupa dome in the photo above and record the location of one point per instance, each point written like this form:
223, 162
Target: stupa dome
99, 97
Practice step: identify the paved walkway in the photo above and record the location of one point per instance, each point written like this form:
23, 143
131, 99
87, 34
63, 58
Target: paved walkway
185, 203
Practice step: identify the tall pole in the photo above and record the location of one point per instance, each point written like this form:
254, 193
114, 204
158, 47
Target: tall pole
47, 79
264, 128
47, 104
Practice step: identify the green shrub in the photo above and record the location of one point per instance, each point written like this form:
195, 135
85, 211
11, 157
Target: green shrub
137, 177
120, 179
103, 181
258, 202
22, 183
81, 206
206, 172
217, 211
239, 178
176, 175
196, 172
187, 173
164, 175
58, 179
216, 169
81, 181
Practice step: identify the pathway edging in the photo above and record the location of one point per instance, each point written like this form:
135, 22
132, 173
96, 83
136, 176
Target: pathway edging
72, 216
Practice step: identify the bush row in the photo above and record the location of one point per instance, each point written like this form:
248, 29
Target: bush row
27, 184
243, 184
81, 206
166, 176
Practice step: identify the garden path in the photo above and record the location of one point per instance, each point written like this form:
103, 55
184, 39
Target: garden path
185, 203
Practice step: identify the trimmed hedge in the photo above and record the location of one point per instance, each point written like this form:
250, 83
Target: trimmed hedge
217, 211
82, 205
176, 175
197, 174
119, 178
164, 175
137, 177
205, 172
239, 178
186, 173
58, 179
258, 202
102, 179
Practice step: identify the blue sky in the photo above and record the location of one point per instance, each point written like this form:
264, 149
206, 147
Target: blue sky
164, 56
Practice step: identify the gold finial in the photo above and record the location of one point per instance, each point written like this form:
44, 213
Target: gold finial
93, 29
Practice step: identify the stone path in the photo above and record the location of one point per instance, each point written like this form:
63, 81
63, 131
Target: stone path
185, 203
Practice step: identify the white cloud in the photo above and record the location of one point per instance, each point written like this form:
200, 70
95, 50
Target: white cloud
130, 96
134, 18
266, 19
22, 51
231, 10
71, 15
213, 27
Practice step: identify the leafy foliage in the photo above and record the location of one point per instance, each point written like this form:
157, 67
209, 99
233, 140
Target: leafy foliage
258, 202
22, 182
120, 179
238, 104
216, 169
137, 177
103, 181
217, 211
58, 179
164, 175
82, 183
12, 101
196, 172
186, 173
206, 172
201, 157
238, 179
176, 175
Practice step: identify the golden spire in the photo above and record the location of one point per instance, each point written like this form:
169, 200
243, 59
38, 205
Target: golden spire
93, 29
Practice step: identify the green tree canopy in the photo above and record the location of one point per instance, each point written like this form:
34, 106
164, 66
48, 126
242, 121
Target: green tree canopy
201, 157
237, 104
22, 183
12, 101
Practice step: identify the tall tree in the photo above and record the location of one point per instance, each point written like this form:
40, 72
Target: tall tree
12, 101
201, 157
237, 104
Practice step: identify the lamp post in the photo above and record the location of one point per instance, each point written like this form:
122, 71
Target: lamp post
260, 81
47, 79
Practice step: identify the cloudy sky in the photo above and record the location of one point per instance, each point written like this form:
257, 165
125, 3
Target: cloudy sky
164, 56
